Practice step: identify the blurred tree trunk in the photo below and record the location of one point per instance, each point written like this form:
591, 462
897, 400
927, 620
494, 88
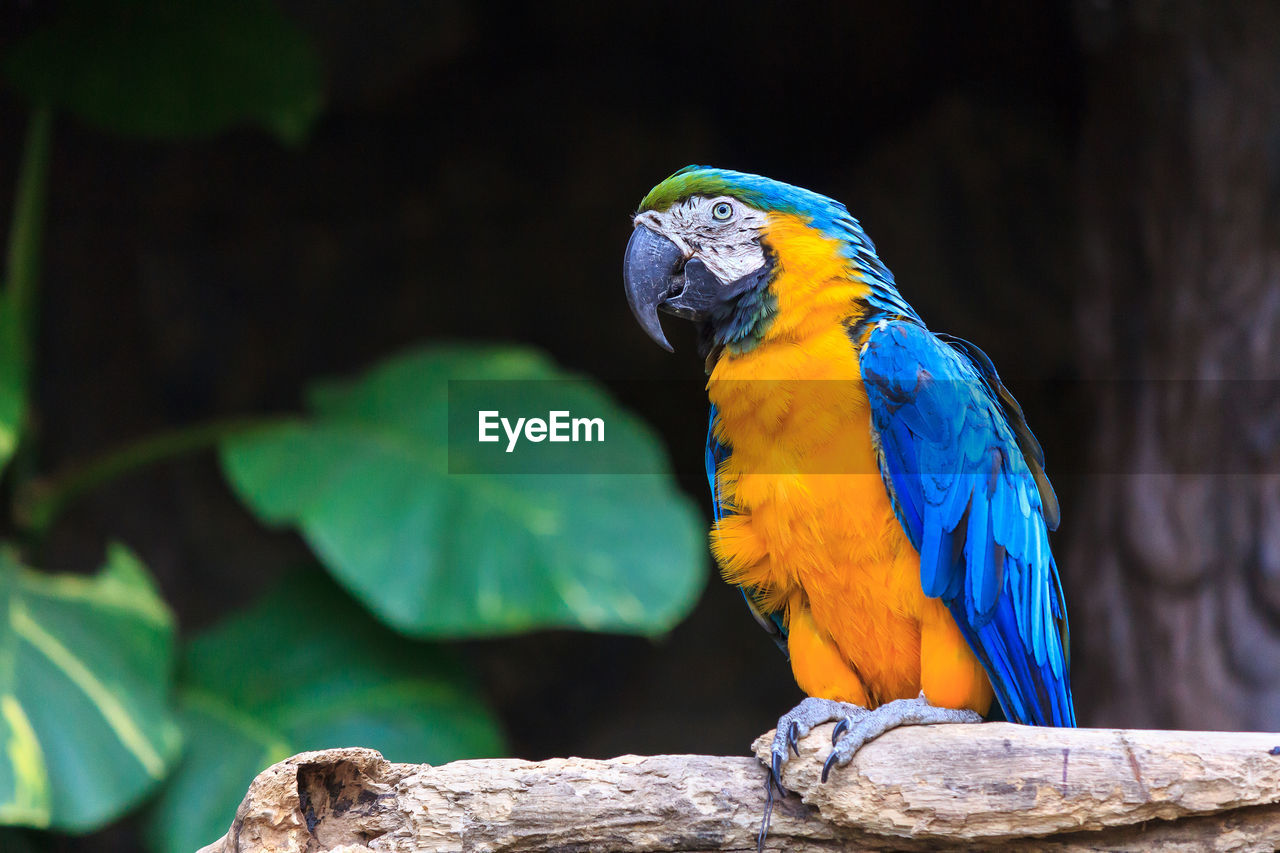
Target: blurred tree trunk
1175, 552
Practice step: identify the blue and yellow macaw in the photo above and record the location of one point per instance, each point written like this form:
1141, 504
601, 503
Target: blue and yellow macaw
877, 493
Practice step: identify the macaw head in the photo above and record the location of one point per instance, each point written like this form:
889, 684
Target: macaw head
706, 246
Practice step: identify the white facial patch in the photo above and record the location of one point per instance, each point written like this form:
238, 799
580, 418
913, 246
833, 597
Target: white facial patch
728, 245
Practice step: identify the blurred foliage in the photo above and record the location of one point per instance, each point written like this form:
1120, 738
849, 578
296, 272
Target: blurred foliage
159, 69
368, 483
91, 715
85, 715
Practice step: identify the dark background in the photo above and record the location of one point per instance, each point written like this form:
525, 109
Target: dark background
1083, 189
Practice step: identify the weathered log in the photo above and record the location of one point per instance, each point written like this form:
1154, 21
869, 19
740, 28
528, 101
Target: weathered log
994, 787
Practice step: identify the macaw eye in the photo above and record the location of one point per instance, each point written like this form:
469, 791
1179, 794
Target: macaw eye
722, 211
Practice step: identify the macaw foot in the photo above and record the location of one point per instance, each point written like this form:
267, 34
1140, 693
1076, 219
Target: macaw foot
852, 733
798, 722
855, 727
792, 726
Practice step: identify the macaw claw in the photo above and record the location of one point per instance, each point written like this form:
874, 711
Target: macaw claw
775, 774
841, 728
827, 765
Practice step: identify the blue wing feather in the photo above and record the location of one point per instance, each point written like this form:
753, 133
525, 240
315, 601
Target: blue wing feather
967, 480
716, 453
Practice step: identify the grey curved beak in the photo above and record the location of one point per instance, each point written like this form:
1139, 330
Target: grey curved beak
650, 272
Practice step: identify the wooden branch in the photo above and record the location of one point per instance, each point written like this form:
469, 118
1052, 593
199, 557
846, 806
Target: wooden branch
996, 786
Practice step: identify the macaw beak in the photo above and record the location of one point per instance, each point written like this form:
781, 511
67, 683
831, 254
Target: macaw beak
657, 277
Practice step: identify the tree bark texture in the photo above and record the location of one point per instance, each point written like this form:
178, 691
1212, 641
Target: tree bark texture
989, 787
1173, 567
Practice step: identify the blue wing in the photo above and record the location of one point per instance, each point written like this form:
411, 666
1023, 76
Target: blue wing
716, 453
967, 480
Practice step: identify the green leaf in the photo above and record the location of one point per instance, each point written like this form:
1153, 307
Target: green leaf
373, 484
302, 669
17, 300
84, 687
13, 380
162, 69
